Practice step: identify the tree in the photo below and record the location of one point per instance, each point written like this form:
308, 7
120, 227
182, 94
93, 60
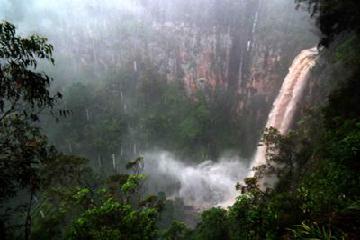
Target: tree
176, 231
24, 93
213, 225
333, 17
110, 209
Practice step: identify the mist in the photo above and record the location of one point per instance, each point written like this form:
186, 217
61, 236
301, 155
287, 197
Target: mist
48, 16
123, 65
201, 185
179, 119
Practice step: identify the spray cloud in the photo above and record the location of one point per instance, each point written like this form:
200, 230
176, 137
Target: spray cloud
202, 185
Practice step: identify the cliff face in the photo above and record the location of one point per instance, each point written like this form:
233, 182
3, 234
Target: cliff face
214, 52
247, 53
242, 48
217, 43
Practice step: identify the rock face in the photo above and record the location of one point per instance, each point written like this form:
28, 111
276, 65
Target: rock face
217, 51
238, 45
242, 48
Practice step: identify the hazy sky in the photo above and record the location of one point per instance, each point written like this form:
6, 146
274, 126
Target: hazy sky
37, 15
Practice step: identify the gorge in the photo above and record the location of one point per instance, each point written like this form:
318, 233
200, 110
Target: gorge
179, 119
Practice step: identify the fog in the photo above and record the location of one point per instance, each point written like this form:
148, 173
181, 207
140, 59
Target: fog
48, 16
242, 50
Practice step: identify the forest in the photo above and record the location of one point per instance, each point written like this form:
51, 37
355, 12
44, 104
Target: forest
180, 119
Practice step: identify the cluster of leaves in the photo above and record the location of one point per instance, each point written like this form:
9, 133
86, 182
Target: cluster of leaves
96, 213
24, 93
22, 150
22, 90
45, 194
176, 231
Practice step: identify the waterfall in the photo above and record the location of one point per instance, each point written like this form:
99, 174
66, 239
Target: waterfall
282, 114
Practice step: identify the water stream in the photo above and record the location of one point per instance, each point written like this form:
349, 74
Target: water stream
291, 93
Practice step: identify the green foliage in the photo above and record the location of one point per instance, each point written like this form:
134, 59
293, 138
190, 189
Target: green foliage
108, 117
316, 168
65, 170
176, 231
20, 84
347, 51
213, 225
114, 220
132, 183
23, 148
76, 212
94, 126
24, 93
68, 207
313, 231
317, 195
333, 17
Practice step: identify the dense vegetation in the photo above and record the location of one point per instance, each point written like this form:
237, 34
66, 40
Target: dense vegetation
317, 193
107, 119
46, 194
42, 190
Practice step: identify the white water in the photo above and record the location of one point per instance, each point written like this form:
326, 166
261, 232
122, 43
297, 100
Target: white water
201, 185
282, 114
211, 184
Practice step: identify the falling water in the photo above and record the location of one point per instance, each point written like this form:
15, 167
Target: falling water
285, 105
213, 184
